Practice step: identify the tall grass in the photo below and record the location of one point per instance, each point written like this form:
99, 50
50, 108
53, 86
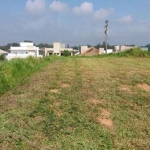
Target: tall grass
15, 72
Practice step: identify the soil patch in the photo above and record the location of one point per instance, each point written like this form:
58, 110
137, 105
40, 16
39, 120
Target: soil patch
105, 113
106, 122
65, 85
144, 86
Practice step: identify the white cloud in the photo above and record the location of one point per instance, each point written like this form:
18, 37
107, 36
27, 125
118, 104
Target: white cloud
83, 9
102, 13
126, 19
57, 6
35, 7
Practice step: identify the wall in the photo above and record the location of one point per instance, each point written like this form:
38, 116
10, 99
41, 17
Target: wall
25, 44
83, 49
56, 47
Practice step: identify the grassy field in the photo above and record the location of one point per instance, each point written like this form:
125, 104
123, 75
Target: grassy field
16, 71
80, 104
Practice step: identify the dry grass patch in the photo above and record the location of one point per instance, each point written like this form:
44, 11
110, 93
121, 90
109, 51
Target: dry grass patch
104, 119
126, 88
54, 90
105, 113
105, 122
144, 86
65, 85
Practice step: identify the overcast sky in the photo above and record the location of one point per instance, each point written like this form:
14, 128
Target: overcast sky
75, 22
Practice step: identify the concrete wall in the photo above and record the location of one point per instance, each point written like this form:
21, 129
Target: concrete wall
56, 47
109, 51
83, 49
101, 51
25, 44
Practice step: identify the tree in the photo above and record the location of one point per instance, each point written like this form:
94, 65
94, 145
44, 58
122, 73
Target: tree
7, 47
75, 47
42, 45
88, 45
97, 46
65, 53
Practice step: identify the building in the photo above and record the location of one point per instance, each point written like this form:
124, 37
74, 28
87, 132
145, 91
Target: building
58, 49
90, 51
82, 49
123, 48
93, 51
25, 50
3, 52
109, 51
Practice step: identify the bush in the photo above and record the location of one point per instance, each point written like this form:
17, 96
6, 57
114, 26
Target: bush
66, 53
134, 52
2, 57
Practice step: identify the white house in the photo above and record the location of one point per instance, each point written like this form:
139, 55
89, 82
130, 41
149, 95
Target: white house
25, 50
58, 49
3, 52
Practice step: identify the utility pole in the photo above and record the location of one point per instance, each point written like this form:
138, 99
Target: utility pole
106, 33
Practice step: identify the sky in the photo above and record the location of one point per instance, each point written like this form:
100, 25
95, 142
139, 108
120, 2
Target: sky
75, 22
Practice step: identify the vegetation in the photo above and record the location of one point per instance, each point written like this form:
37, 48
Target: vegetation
66, 53
134, 52
7, 47
104, 45
2, 57
79, 103
16, 71
43, 45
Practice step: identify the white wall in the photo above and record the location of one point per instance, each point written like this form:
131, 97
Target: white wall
108, 51
101, 51
25, 44
83, 49
56, 47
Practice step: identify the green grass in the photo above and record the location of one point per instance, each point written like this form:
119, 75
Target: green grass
16, 71
61, 106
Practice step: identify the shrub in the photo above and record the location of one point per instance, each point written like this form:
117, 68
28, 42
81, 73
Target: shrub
134, 52
66, 53
2, 57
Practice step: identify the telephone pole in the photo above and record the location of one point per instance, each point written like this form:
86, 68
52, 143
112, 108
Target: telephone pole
106, 33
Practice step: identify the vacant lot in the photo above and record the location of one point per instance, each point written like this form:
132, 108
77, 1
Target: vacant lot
80, 104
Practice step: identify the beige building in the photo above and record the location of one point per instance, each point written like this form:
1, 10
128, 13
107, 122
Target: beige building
122, 48
58, 49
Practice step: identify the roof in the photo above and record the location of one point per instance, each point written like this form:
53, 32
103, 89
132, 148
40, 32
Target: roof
90, 51
3, 52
